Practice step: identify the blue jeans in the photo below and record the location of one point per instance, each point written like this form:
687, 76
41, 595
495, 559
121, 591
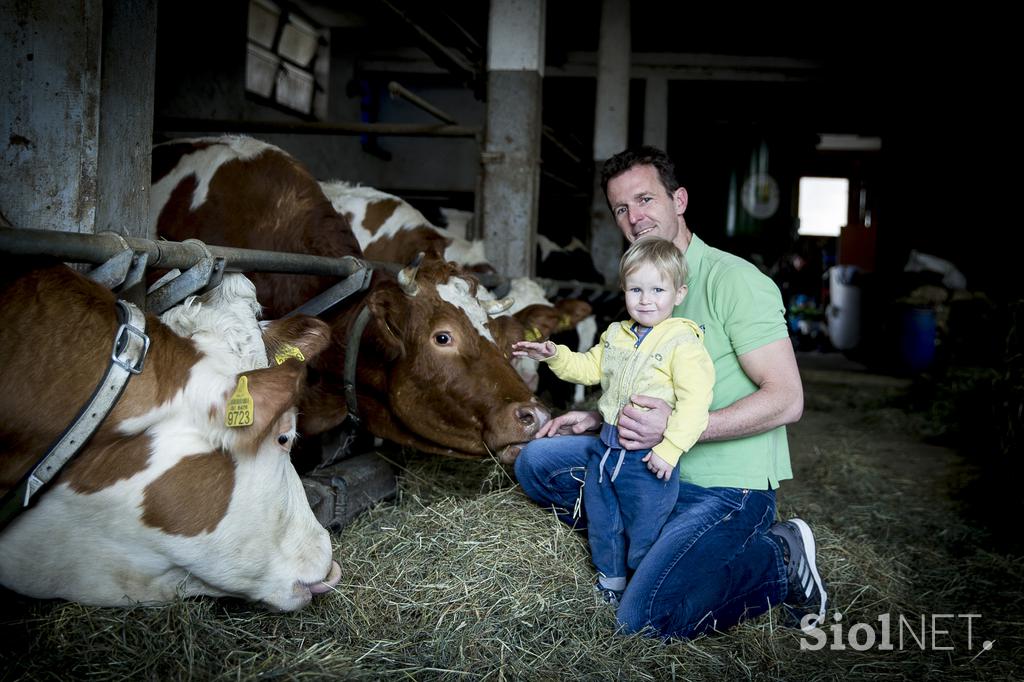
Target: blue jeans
626, 504
712, 565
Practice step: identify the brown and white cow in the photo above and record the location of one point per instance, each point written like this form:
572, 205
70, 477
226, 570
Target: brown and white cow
165, 499
430, 373
390, 229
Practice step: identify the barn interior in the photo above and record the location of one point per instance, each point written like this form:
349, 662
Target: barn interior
506, 113
507, 110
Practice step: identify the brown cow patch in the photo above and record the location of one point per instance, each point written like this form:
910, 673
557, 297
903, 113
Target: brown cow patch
192, 496
378, 212
101, 465
403, 246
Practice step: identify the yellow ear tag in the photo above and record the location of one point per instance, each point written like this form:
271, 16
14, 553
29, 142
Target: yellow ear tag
288, 351
532, 334
240, 410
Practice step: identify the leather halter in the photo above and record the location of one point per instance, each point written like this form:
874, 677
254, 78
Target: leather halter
127, 358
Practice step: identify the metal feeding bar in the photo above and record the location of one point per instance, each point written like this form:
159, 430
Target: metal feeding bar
168, 124
123, 262
100, 248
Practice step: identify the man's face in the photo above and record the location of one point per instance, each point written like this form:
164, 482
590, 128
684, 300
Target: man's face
642, 207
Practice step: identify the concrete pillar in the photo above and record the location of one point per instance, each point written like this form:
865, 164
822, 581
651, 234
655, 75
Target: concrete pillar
656, 112
77, 157
50, 113
126, 117
611, 129
511, 156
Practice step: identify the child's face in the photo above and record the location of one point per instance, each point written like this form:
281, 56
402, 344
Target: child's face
650, 296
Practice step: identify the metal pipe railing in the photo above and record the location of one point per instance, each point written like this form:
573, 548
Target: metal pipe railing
99, 248
210, 125
397, 90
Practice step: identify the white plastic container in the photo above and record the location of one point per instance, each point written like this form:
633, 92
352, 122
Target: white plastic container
843, 313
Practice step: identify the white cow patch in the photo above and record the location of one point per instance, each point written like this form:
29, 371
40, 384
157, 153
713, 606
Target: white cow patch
456, 292
209, 160
355, 199
586, 329
223, 321
546, 246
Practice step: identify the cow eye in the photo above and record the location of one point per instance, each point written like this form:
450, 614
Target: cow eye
443, 339
283, 439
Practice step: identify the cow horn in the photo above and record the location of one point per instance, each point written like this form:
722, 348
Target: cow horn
407, 275
497, 306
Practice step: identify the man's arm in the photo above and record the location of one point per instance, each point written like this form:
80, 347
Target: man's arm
778, 400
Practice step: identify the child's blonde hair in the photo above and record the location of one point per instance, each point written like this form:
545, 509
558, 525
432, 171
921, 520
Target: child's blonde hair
661, 253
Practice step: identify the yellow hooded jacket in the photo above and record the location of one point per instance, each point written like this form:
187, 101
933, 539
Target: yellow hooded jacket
671, 364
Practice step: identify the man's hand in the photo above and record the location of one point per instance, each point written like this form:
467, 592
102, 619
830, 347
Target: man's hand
657, 466
642, 423
575, 422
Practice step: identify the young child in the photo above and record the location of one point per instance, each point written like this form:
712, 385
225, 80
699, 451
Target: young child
628, 494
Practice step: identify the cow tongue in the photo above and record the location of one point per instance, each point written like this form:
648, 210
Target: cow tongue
328, 583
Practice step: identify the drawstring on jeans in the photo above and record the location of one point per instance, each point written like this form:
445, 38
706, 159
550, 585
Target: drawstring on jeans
618, 465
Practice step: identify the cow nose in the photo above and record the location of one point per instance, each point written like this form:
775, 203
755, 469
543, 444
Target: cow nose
532, 416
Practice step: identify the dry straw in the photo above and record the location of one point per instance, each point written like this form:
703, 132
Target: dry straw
462, 578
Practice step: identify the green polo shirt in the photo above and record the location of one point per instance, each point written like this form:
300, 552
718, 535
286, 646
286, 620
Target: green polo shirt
740, 309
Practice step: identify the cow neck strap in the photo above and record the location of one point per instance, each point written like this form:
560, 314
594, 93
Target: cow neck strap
350, 426
127, 358
355, 335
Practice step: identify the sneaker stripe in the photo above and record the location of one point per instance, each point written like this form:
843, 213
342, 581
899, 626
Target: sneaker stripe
809, 553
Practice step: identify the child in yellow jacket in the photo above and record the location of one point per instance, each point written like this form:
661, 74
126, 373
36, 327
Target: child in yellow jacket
629, 494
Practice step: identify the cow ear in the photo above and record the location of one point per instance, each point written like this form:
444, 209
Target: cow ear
267, 394
302, 337
506, 331
574, 309
388, 305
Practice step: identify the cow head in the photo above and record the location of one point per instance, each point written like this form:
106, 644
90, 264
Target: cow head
539, 321
175, 494
237, 191
434, 375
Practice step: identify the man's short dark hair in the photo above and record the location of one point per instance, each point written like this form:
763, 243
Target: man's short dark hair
640, 156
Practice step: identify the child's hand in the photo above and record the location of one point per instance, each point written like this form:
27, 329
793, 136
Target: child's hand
537, 351
657, 466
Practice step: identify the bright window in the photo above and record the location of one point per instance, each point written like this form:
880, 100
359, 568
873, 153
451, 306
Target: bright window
823, 206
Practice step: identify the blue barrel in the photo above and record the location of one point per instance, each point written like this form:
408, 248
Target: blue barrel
917, 338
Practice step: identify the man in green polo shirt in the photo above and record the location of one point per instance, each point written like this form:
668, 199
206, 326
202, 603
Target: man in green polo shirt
721, 556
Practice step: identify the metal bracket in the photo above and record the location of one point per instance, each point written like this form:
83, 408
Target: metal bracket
124, 272
133, 288
337, 293
114, 271
187, 283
